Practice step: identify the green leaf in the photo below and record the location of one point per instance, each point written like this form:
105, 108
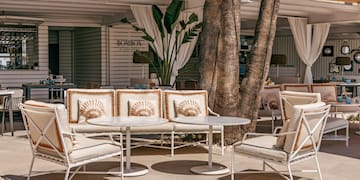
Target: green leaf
148, 38
191, 33
124, 20
172, 14
158, 16
182, 24
192, 18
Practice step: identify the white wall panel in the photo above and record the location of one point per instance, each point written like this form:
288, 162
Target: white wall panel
87, 61
65, 55
122, 39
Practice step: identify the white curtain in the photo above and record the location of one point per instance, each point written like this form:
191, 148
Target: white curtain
144, 17
309, 40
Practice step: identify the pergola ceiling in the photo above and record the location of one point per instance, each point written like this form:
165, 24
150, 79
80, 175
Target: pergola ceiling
95, 10
344, 18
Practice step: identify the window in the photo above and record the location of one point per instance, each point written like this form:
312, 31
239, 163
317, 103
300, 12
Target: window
18, 47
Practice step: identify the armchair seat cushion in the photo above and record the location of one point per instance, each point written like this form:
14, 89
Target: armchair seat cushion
263, 147
89, 128
163, 128
179, 127
88, 148
334, 123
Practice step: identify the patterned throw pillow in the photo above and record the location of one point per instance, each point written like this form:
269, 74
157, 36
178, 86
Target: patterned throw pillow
142, 108
90, 108
271, 101
187, 108
328, 97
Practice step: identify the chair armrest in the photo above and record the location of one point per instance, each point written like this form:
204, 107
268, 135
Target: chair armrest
213, 113
277, 129
73, 135
262, 134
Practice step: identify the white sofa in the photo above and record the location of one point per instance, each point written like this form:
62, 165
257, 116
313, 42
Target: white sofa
91, 103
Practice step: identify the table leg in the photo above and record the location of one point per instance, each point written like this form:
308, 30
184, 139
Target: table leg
130, 170
11, 117
128, 149
210, 168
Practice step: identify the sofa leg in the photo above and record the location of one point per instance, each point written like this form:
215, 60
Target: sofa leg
222, 141
172, 143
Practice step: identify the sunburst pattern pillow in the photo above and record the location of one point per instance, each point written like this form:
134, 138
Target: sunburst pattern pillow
142, 108
90, 108
187, 108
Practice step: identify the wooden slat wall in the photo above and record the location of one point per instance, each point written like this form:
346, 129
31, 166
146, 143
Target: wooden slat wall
105, 64
121, 66
65, 55
320, 69
53, 37
285, 45
87, 56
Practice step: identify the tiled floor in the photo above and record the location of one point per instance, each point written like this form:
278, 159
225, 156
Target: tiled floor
15, 159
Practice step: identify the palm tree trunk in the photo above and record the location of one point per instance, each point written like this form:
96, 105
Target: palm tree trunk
209, 42
260, 62
220, 61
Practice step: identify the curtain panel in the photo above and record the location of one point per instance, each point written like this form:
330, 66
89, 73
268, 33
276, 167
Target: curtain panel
309, 40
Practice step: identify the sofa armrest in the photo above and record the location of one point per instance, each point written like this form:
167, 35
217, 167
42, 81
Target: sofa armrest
213, 113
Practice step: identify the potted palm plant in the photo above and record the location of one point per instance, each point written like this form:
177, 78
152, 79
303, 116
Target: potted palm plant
173, 33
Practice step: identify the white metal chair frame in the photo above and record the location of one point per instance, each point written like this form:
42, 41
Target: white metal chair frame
63, 157
295, 155
284, 94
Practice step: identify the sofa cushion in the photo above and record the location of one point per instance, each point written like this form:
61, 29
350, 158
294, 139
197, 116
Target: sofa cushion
187, 107
185, 103
88, 148
142, 108
281, 139
144, 99
270, 97
300, 129
89, 128
106, 96
334, 123
327, 91
91, 108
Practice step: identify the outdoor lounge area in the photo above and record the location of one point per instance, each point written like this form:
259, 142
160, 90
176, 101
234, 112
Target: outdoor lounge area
179, 89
